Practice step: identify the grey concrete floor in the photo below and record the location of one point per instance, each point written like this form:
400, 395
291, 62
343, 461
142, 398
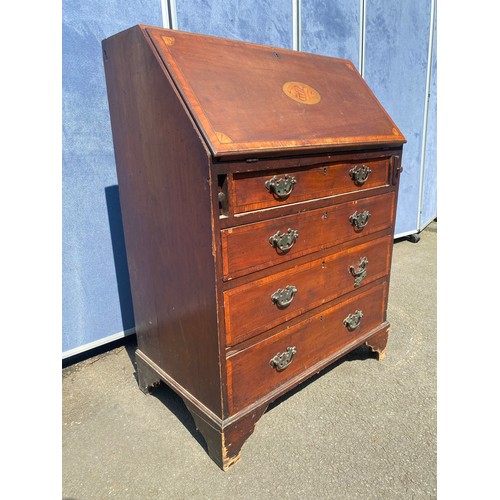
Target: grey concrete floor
361, 429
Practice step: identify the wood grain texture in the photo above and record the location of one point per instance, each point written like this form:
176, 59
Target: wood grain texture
199, 125
250, 375
378, 343
134, 192
232, 88
224, 440
247, 248
249, 191
303, 159
167, 240
232, 170
249, 309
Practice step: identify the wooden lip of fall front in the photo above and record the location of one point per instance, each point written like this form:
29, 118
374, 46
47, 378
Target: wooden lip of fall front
249, 99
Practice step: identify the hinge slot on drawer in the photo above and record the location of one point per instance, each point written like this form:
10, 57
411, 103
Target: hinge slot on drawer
396, 168
222, 194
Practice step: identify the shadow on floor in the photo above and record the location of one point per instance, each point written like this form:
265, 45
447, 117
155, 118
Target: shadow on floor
170, 399
175, 404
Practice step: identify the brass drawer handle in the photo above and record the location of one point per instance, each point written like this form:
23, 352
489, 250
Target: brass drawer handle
283, 298
360, 274
359, 220
284, 241
353, 320
359, 174
281, 187
283, 359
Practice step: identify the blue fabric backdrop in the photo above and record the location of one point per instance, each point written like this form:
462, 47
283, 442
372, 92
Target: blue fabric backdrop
95, 275
429, 194
397, 35
331, 29
97, 304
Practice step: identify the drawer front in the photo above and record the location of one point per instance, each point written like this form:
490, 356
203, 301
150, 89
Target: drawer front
251, 374
265, 303
260, 245
254, 191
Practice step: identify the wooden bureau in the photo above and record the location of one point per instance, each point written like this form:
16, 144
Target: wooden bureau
258, 189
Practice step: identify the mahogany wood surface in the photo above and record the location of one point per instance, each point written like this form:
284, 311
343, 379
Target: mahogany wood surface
226, 172
250, 375
133, 190
169, 242
246, 248
233, 87
199, 125
249, 309
266, 334
265, 161
304, 259
249, 191
224, 441
378, 343
147, 377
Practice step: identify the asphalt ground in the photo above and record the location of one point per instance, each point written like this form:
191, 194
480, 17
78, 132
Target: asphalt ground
361, 429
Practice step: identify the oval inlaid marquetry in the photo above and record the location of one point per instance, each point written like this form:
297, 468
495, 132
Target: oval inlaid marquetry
168, 40
301, 92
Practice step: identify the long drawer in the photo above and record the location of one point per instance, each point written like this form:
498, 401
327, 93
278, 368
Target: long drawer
262, 304
253, 372
260, 245
257, 190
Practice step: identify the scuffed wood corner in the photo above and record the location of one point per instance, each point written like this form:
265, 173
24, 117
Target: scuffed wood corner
147, 378
228, 460
380, 353
378, 343
224, 439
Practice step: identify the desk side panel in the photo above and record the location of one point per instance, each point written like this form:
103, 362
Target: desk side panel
163, 175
